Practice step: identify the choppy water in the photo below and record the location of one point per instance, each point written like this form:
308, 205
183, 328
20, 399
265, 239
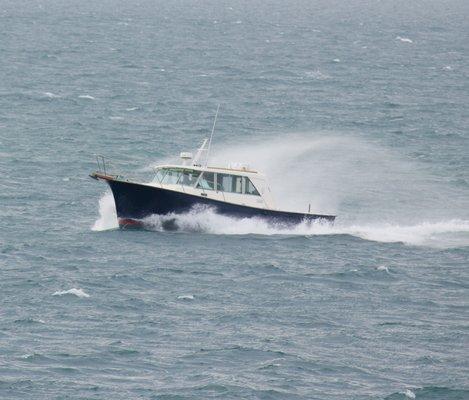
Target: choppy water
359, 109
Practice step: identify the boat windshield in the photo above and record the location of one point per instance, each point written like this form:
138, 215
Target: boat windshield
177, 176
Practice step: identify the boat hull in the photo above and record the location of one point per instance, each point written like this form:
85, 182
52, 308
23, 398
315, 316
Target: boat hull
135, 201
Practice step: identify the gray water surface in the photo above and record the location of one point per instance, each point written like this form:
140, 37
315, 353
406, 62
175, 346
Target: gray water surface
358, 108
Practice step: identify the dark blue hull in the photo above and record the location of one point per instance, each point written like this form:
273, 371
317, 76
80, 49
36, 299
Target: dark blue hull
136, 201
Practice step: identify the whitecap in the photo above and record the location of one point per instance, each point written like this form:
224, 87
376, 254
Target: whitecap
382, 268
186, 297
318, 75
51, 95
336, 60
404, 39
76, 292
131, 109
409, 394
86, 96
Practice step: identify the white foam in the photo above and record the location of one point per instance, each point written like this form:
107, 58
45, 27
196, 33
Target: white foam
409, 394
377, 194
318, 75
131, 109
404, 39
186, 297
450, 233
424, 234
107, 214
76, 292
382, 268
86, 96
51, 95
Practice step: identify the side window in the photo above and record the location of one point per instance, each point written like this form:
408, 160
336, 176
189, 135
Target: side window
207, 181
224, 182
250, 188
229, 183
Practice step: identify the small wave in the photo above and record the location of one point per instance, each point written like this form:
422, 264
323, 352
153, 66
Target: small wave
86, 96
76, 292
404, 39
50, 95
34, 357
29, 320
382, 268
431, 392
318, 75
186, 297
409, 394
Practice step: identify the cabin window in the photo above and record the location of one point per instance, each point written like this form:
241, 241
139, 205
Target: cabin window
249, 187
189, 177
207, 181
229, 183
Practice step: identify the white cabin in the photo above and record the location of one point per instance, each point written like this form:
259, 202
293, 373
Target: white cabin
237, 186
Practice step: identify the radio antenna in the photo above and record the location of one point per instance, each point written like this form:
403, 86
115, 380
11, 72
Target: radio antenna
211, 136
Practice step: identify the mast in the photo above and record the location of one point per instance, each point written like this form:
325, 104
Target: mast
211, 136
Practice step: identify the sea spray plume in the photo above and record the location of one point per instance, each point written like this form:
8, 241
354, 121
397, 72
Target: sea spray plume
445, 234
107, 214
359, 181
377, 194
206, 220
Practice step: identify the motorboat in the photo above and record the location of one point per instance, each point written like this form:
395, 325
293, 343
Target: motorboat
236, 191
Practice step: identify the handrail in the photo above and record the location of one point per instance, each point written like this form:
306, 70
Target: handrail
101, 161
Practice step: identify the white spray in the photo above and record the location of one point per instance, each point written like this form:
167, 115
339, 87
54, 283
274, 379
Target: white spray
376, 194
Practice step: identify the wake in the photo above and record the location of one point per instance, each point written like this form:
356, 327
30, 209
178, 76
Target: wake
443, 234
377, 194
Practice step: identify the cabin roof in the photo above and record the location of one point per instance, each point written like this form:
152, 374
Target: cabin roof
237, 171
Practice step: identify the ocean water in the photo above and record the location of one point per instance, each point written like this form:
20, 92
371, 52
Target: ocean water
358, 108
